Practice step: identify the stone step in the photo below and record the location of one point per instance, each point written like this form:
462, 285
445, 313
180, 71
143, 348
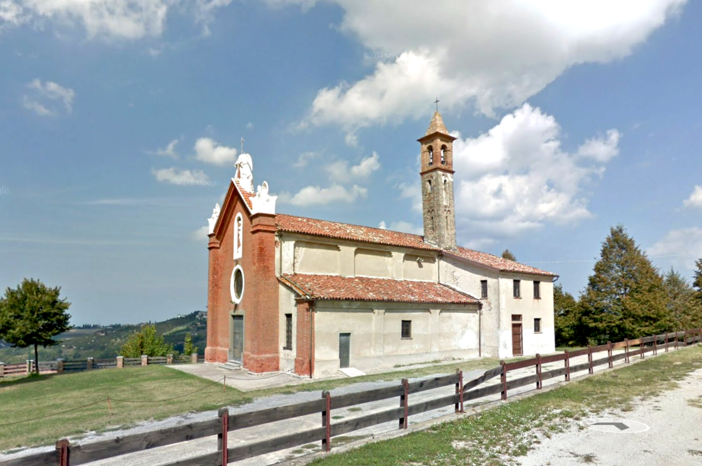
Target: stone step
231, 365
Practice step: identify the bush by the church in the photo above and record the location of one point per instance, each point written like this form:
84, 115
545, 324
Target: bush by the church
146, 342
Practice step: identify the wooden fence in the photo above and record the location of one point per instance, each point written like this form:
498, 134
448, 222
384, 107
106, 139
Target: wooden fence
66, 453
61, 366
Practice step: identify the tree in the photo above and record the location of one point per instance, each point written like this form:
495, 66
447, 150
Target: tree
188, 347
697, 282
31, 315
507, 254
625, 297
567, 318
146, 342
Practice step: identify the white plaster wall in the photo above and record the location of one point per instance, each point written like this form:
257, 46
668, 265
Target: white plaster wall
286, 257
414, 269
529, 308
372, 263
287, 305
317, 258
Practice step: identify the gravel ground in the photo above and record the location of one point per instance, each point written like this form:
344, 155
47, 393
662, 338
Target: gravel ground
674, 434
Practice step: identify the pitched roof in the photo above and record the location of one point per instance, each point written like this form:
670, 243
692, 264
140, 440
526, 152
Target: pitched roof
334, 287
436, 125
337, 230
499, 263
244, 194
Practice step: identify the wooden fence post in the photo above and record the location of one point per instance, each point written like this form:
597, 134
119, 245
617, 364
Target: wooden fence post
120, 362
567, 366
609, 354
63, 448
539, 382
655, 345
641, 348
404, 403
223, 436
89, 364
503, 380
666, 342
326, 421
59, 366
590, 369
169, 359
626, 351
459, 391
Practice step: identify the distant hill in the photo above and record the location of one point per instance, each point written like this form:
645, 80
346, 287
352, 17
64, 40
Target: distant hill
106, 342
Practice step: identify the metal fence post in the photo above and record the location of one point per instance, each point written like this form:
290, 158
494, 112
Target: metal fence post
223, 436
459, 391
609, 354
326, 421
567, 366
63, 448
503, 380
590, 369
539, 382
30, 366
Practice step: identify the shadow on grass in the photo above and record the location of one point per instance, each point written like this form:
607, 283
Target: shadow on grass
20, 380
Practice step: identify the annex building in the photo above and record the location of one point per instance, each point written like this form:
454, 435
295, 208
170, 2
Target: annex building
311, 296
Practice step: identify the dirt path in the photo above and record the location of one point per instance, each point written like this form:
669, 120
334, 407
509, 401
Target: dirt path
674, 434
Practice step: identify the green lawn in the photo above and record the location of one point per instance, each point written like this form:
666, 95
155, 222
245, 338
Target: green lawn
54, 405
497, 436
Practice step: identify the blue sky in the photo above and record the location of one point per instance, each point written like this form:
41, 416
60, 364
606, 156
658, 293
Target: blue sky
120, 121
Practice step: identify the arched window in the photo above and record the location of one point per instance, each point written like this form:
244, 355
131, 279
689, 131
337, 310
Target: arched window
238, 236
428, 186
443, 155
431, 155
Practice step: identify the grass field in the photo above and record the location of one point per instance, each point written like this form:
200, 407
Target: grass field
497, 436
62, 405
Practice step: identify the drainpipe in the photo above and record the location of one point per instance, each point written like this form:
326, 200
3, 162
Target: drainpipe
311, 306
480, 331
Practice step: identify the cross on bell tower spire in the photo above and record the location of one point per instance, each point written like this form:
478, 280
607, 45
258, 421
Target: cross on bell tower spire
437, 103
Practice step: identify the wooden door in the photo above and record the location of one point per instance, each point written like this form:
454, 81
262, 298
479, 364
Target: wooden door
238, 338
516, 338
344, 349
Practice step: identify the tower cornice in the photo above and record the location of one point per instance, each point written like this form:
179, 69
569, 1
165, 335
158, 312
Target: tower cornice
436, 134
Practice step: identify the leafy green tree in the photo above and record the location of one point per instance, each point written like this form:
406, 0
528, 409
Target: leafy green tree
188, 347
697, 281
625, 297
31, 315
567, 318
684, 309
146, 342
507, 254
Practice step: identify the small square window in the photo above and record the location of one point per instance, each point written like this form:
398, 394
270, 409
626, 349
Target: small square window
483, 289
537, 325
288, 332
406, 329
516, 286
516, 317
537, 290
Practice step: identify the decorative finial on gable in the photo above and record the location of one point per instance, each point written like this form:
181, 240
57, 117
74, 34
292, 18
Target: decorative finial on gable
213, 220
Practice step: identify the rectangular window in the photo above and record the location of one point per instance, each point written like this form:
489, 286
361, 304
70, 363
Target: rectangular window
516, 317
483, 289
406, 329
537, 290
537, 325
516, 289
288, 332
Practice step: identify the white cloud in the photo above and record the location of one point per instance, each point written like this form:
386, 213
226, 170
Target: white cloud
44, 94
109, 19
168, 151
493, 55
679, 248
201, 234
405, 227
314, 195
249, 125
341, 172
181, 177
305, 158
516, 177
695, 199
209, 151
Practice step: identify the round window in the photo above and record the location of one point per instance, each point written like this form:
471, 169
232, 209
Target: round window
237, 284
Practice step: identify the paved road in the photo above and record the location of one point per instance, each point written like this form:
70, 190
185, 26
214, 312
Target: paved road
165, 455
674, 434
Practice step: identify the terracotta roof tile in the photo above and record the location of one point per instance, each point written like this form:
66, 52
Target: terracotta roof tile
499, 263
245, 194
337, 230
334, 287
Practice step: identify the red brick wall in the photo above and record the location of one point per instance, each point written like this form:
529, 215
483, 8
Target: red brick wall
304, 364
260, 301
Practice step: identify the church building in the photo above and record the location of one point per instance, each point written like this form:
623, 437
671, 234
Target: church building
310, 296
